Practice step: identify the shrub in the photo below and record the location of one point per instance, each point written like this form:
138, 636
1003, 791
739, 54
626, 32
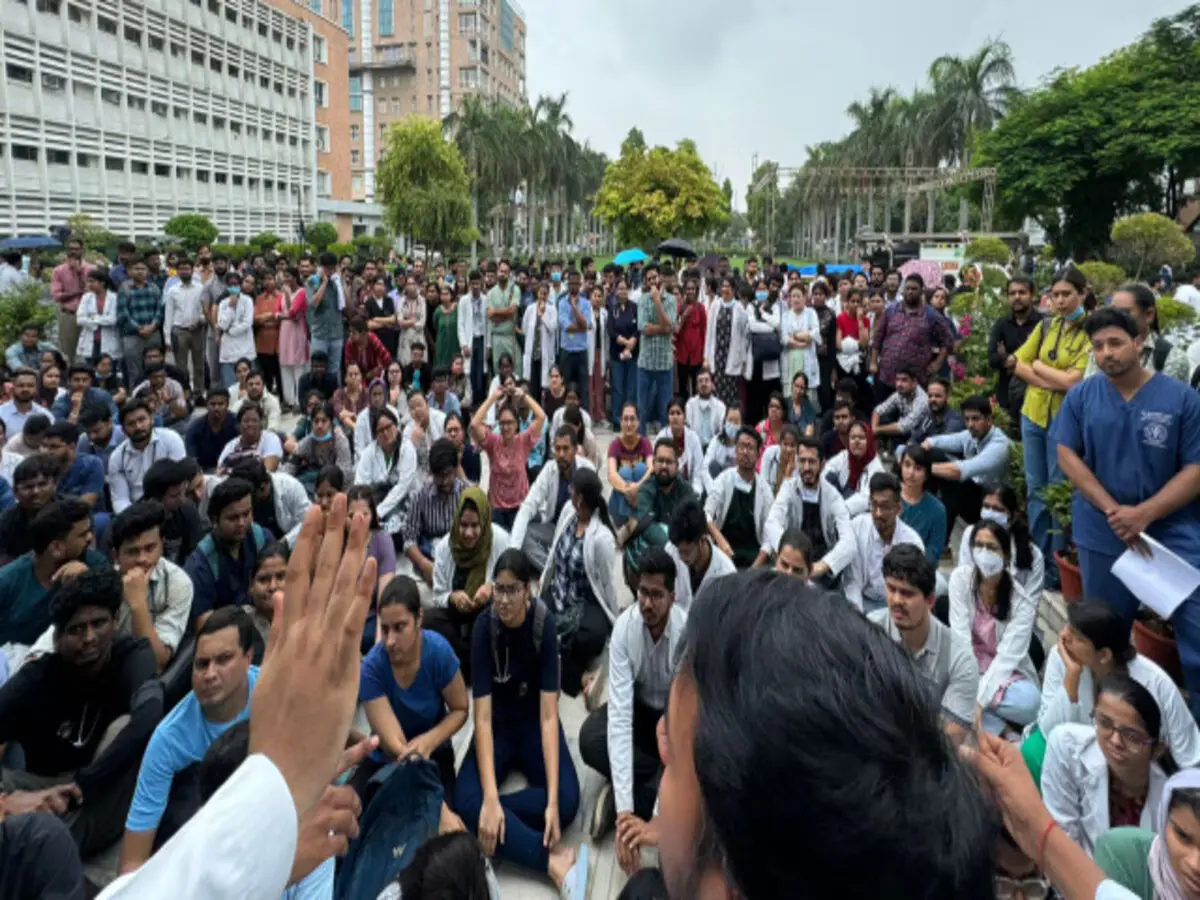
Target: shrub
268, 240
192, 230
343, 249
321, 235
1174, 313
292, 252
1103, 277
1145, 242
22, 305
989, 250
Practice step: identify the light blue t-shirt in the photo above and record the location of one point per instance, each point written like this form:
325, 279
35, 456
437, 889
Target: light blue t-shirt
420, 707
317, 885
180, 740
573, 341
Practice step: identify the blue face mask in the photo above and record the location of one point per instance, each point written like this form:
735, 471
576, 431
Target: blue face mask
450, 280
1075, 316
322, 438
234, 290
556, 277
760, 296
731, 430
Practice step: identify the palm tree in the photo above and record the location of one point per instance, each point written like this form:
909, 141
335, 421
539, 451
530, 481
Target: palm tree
973, 94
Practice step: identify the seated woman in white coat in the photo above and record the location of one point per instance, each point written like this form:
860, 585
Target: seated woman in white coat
377, 398
389, 465
255, 440
579, 582
1028, 566
1107, 775
688, 448
738, 503
425, 425
780, 462
850, 470
721, 453
991, 610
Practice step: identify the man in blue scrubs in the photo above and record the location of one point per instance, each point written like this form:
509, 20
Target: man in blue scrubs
1130, 444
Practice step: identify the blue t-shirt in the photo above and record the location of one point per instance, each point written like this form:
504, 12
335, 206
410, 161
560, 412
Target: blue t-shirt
1134, 448
572, 341
420, 707
180, 740
86, 476
518, 674
24, 603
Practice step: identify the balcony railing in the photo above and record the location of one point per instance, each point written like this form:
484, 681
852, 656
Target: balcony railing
388, 56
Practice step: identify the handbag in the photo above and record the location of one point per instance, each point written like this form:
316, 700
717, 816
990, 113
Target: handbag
766, 346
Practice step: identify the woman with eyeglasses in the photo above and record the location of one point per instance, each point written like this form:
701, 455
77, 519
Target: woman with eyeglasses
389, 465
514, 651
1107, 775
324, 445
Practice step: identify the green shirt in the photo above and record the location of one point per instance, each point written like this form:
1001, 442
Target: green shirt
1124, 855
504, 298
656, 505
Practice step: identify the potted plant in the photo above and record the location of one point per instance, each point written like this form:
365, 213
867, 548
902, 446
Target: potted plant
1058, 498
1154, 638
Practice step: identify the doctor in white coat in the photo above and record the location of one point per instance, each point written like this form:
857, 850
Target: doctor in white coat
540, 506
540, 324
738, 482
388, 463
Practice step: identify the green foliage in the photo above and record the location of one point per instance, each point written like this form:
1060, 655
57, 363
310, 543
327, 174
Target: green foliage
727, 190
292, 252
236, 252
1016, 468
1173, 313
651, 195
1058, 498
1145, 242
989, 250
96, 240
344, 248
192, 230
1103, 277
374, 246
268, 240
762, 197
321, 235
22, 305
423, 184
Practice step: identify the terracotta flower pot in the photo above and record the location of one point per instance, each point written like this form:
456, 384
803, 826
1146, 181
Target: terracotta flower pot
1072, 581
1158, 647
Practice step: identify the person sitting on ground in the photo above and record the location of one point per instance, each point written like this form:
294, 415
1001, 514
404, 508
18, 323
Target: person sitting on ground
280, 501
220, 567
22, 403
942, 418
79, 476
943, 658
183, 526
254, 441
413, 693
27, 351
923, 512
851, 470
144, 445
738, 503
360, 499
377, 398
366, 350
515, 659
620, 739
795, 554
629, 460
705, 411
109, 380
551, 492
697, 560
990, 608
722, 449
35, 481
256, 392
167, 792
1107, 775
507, 451
424, 426
663, 493
98, 437
440, 397
154, 356
83, 393
270, 570
432, 510
449, 865
29, 441
874, 535
325, 445
470, 463
688, 449
1004, 507
84, 713
318, 378
815, 506
461, 563
578, 584
389, 466
845, 391
208, 435
779, 464
970, 463
164, 396
60, 538
904, 411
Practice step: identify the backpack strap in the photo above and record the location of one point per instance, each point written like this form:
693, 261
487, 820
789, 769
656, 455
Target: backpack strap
540, 612
261, 538
208, 547
1162, 349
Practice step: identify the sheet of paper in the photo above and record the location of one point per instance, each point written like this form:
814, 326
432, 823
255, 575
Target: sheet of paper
1161, 580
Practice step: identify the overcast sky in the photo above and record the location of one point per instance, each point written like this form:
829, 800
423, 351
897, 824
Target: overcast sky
774, 76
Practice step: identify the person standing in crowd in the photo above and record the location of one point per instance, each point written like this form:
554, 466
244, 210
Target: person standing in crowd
800, 331
235, 327
266, 333
326, 301
690, 334
622, 350
1158, 354
503, 308
139, 317
1009, 335
411, 316
656, 319
68, 284
908, 334
381, 313
185, 325
539, 328
472, 333
726, 343
291, 310
764, 367
96, 319
445, 328
597, 352
575, 318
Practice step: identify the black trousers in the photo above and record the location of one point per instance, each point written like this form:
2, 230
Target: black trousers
686, 375
578, 651
961, 498
647, 768
268, 364
646, 884
456, 628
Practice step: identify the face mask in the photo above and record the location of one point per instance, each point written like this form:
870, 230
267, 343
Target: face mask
322, 438
450, 280
731, 430
987, 561
1076, 315
993, 515
556, 277
760, 296
234, 291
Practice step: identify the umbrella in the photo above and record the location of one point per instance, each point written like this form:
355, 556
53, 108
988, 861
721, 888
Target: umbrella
707, 262
40, 242
677, 247
629, 257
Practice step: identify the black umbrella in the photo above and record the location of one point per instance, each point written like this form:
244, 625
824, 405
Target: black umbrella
678, 248
707, 262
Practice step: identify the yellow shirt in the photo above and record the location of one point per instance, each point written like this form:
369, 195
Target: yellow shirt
1061, 345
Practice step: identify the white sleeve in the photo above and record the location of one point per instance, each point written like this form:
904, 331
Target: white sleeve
404, 482
777, 522
177, 450
1056, 708
118, 485
1013, 645
443, 573
1110, 890
1060, 789
620, 716
1183, 738
220, 852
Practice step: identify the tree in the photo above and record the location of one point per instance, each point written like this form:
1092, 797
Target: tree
1103, 277
423, 183
95, 239
321, 235
727, 190
762, 199
268, 240
1145, 242
971, 94
989, 250
192, 230
651, 195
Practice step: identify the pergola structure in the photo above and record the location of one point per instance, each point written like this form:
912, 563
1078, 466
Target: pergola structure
833, 203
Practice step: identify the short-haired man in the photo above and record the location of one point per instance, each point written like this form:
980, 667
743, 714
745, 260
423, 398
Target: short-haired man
35, 481
548, 496
697, 561
440, 397
911, 334
139, 318
795, 554
68, 284
208, 435
22, 404
78, 476
658, 313
472, 331
874, 536
620, 739
367, 350
905, 411
1008, 335
164, 395
431, 512
318, 378
29, 441
144, 445
99, 435
503, 307
256, 392
184, 320
944, 659
154, 355
280, 501
738, 502
81, 393
326, 306
84, 713
222, 682
969, 464
184, 526
27, 352
942, 418
837, 437
705, 412
576, 318
222, 565
663, 492
417, 373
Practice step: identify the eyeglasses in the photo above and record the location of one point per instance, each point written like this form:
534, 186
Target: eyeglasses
653, 595
1029, 888
507, 591
1131, 736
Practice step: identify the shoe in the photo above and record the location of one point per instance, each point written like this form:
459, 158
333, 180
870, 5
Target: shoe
604, 818
575, 885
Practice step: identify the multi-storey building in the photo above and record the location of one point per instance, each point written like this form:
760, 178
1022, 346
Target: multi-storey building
131, 112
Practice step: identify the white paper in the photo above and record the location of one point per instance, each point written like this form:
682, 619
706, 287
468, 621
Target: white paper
1161, 580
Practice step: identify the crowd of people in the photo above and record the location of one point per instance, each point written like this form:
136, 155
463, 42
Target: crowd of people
153, 502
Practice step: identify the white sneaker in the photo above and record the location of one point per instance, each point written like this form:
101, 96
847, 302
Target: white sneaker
575, 884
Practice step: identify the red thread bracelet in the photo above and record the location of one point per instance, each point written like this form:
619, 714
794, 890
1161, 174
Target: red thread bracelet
1042, 845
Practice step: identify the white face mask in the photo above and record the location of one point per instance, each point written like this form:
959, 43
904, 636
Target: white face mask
994, 515
989, 562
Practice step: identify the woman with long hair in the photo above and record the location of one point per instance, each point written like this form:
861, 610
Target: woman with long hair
622, 351
801, 333
460, 381
266, 334
763, 365
725, 343
445, 328
97, 318
1004, 507
577, 583
266, 580
989, 609
291, 311
377, 398
781, 462
850, 470
629, 457
361, 499
351, 398
470, 463
49, 386
770, 429
688, 448
324, 445
801, 413
507, 451
389, 466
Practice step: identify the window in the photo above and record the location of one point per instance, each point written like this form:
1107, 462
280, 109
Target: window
293, 141
215, 65
133, 35
108, 95
356, 93
159, 109
176, 50
162, 170
277, 37
200, 118
85, 160
395, 107
290, 43
77, 14
322, 139
320, 47
324, 183
222, 177
107, 25
386, 24
49, 6
356, 185
264, 81
202, 176
219, 123
231, 14
198, 57
233, 71
139, 168
179, 112
354, 157
252, 131
19, 73
183, 172
23, 151
468, 78
114, 164
235, 127
348, 16
136, 102
157, 43
468, 23
278, 88
321, 93
354, 132
58, 157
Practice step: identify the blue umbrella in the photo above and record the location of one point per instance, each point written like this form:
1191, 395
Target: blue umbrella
41, 242
629, 257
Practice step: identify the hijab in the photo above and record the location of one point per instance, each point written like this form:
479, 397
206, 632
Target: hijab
859, 465
1166, 883
476, 559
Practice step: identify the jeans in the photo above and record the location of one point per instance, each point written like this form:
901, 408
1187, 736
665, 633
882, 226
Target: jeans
1018, 705
654, 395
1041, 470
334, 350
228, 378
188, 347
518, 745
647, 769
574, 368
133, 348
623, 373
619, 509
477, 372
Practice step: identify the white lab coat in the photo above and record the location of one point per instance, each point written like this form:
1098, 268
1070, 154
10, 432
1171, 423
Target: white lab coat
362, 428
788, 511
718, 567
443, 564
372, 468
863, 532
718, 456
466, 324
720, 495
538, 505
769, 323
839, 466
693, 410
1075, 786
599, 561
600, 321
291, 504
691, 463
549, 326
1031, 579
739, 340
236, 327
1012, 636
89, 319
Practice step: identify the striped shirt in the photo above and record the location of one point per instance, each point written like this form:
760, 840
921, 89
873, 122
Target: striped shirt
431, 513
138, 306
655, 353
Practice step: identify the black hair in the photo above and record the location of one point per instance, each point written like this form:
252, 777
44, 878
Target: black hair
443, 455
161, 477
364, 492
38, 465
231, 617
25, 372
402, 591
445, 866
688, 524
980, 404
657, 561
567, 431
273, 550
251, 469
921, 458
1004, 590
938, 379
1103, 627
907, 563
774, 722
318, 356
907, 369
218, 392
189, 468
1123, 687
515, 561
846, 386
134, 405
228, 492
666, 442
249, 407
676, 402
99, 586
1073, 277
798, 541
1144, 298
81, 368
587, 485
136, 520
811, 444
914, 277
94, 414
382, 413
37, 424
747, 431
884, 481
54, 522
224, 756
331, 475
1021, 279
1110, 318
